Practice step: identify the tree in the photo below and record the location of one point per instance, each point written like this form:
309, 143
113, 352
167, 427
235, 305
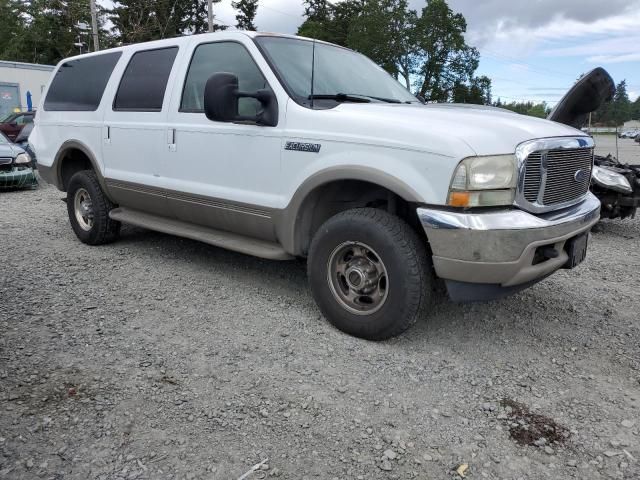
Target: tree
478, 91
144, 20
384, 30
320, 22
617, 111
48, 29
247, 10
621, 105
540, 110
12, 19
446, 59
635, 109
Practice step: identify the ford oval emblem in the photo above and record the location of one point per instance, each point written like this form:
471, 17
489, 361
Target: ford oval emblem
580, 176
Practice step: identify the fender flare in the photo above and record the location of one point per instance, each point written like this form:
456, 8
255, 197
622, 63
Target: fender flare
288, 220
56, 167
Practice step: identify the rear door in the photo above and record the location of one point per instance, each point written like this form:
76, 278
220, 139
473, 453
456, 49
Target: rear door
135, 130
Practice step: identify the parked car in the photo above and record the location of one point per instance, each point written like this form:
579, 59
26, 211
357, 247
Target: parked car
629, 133
23, 141
282, 147
13, 123
15, 166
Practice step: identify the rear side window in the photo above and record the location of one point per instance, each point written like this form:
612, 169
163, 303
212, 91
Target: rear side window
79, 84
231, 57
144, 82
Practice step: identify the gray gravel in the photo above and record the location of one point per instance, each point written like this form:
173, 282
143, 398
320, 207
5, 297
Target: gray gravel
163, 358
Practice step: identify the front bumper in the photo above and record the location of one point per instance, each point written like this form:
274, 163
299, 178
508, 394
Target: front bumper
17, 177
498, 248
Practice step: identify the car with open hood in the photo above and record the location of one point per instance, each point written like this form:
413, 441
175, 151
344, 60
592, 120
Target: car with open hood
615, 184
282, 147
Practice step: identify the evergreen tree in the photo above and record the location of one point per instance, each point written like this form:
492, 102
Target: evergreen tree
144, 20
49, 29
247, 10
635, 110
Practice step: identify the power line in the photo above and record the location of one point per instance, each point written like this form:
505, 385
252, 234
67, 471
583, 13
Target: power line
298, 17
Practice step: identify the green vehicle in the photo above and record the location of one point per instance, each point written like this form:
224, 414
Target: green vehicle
16, 166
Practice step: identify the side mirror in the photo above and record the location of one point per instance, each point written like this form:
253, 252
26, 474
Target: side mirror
221, 95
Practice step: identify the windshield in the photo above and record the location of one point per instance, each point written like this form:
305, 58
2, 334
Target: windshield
3, 140
338, 72
5, 118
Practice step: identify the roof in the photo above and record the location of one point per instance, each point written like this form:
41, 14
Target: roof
223, 34
26, 66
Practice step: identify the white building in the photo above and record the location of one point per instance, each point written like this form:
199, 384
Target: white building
16, 79
631, 124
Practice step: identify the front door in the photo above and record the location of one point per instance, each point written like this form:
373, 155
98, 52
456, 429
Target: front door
222, 175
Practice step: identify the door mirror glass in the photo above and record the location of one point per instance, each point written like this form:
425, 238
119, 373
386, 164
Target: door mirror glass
222, 96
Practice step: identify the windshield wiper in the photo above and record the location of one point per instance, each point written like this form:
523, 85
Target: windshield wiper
353, 97
340, 97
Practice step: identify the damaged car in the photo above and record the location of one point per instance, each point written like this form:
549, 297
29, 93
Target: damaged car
616, 184
16, 166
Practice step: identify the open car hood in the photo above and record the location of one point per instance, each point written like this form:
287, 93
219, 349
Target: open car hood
586, 96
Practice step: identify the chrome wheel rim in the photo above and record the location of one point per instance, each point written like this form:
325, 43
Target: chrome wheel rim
83, 208
357, 278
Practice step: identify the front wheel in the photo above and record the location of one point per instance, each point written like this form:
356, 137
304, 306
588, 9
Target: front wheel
369, 273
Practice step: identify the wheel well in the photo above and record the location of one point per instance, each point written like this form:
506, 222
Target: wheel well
332, 198
74, 160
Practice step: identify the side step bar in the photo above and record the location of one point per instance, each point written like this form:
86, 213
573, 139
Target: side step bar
218, 238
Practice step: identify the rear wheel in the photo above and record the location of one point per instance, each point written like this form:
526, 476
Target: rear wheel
369, 273
89, 208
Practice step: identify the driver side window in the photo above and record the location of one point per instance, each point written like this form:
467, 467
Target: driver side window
218, 57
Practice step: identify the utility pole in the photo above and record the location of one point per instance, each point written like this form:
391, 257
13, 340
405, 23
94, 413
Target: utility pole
209, 13
94, 25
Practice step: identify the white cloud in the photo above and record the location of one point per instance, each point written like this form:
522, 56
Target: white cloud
628, 57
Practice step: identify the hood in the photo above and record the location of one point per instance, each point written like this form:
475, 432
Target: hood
586, 96
10, 150
447, 129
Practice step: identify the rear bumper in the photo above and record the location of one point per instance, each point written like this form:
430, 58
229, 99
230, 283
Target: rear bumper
18, 177
498, 248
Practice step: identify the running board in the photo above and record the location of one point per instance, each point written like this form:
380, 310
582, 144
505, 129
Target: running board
218, 238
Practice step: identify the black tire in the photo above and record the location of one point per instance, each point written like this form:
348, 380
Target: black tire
103, 229
406, 265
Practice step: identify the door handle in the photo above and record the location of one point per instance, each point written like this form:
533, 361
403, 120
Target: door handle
107, 134
171, 139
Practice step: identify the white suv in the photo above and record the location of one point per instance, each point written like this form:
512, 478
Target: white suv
282, 147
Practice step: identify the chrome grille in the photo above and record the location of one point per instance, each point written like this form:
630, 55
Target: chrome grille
5, 160
550, 176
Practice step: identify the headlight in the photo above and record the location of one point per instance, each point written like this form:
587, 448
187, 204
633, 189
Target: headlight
484, 182
22, 159
609, 179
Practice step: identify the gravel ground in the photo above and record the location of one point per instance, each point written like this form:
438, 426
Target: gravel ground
163, 358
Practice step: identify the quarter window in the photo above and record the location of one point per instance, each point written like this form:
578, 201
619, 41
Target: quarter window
78, 85
144, 81
230, 57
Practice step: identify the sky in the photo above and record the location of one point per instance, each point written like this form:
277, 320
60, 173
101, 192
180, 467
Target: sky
531, 49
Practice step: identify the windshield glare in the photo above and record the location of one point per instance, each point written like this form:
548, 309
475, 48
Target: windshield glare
337, 70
